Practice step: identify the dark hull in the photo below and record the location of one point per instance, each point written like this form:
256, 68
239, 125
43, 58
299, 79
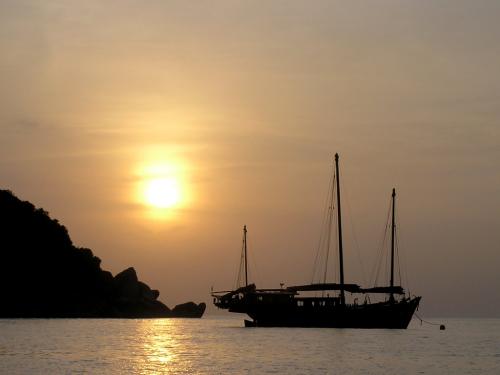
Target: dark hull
391, 315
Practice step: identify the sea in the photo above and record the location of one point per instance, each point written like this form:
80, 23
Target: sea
221, 345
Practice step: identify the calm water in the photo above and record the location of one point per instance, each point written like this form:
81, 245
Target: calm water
215, 345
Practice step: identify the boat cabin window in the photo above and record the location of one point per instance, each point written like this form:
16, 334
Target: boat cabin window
300, 303
260, 298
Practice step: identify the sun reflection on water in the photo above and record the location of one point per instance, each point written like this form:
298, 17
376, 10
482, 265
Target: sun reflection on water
163, 347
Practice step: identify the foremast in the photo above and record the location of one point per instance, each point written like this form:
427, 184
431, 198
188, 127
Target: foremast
245, 250
393, 233
242, 279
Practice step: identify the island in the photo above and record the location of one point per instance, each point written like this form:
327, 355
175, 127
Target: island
43, 275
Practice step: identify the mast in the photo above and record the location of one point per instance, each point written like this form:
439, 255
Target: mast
393, 230
245, 248
339, 217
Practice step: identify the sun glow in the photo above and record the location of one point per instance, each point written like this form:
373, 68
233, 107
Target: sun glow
162, 188
162, 192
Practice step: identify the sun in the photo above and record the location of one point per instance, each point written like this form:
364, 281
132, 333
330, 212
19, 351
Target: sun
162, 192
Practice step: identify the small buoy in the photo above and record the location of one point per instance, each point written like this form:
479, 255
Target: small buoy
442, 327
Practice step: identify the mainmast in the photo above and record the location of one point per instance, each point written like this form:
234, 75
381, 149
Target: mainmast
245, 249
339, 220
393, 230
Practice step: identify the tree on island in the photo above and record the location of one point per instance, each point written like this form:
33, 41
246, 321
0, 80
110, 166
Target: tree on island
43, 274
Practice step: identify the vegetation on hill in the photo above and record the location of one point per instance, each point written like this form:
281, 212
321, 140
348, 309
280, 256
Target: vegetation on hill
42, 274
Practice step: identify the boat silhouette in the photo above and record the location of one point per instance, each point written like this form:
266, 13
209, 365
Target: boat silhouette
292, 307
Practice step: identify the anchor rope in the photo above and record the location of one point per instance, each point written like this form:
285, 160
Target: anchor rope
426, 321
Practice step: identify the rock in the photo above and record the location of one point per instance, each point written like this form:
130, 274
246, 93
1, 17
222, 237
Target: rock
135, 299
127, 285
189, 310
147, 292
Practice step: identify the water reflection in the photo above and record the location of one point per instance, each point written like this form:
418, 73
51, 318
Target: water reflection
164, 347
222, 346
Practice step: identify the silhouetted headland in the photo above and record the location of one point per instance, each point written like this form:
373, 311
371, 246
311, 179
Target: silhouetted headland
44, 275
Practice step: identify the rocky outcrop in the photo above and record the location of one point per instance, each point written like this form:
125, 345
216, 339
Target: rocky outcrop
189, 310
44, 275
134, 298
132, 295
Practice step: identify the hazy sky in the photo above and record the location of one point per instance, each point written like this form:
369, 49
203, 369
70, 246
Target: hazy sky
243, 104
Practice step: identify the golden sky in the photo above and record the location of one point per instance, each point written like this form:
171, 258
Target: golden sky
237, 108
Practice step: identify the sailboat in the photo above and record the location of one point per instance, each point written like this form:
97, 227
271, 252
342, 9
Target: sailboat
293, 307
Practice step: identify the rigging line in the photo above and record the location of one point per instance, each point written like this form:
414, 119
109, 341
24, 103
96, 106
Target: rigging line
241, 269
398, 259
322, 228
403, 255
353, 229
374, 272
329, 229
321, 242
255, 271
387, 265
387, 271
385, 248
319, 247
238, 278
382, 257
380, 253
336, 275
397, 249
